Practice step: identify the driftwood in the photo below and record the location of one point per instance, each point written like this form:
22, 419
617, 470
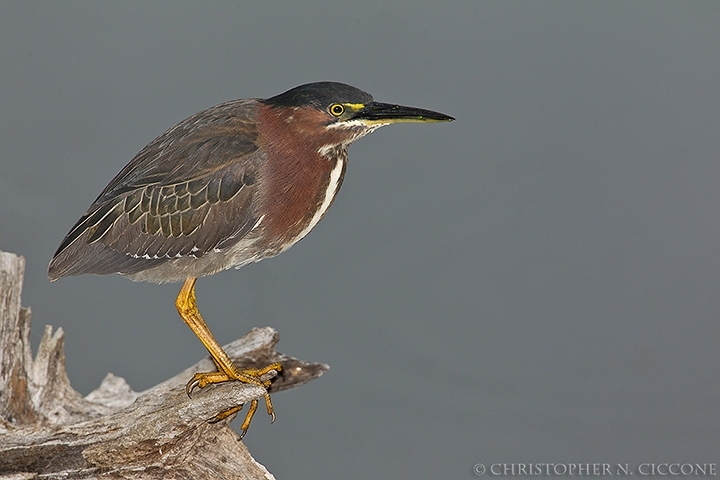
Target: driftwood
49, 430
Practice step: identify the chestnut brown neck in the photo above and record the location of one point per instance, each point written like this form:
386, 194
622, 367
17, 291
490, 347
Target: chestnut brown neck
299, 182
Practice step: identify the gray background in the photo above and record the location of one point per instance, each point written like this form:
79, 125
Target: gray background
535, 282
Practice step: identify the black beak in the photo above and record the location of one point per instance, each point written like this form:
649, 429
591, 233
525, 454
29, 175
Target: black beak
376, 112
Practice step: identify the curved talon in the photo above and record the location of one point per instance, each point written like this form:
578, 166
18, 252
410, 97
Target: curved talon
269, 408
252, 376
248, 417
191, 385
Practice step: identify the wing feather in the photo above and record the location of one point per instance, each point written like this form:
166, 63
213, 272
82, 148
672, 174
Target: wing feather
186, 193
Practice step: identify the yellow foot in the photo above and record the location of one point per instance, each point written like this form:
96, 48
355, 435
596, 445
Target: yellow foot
261, 377
227, 371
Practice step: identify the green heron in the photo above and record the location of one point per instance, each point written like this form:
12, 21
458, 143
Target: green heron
228, 186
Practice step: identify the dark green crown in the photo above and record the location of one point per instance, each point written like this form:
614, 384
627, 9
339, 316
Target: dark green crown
319, 94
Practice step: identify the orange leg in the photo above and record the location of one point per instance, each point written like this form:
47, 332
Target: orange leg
227, 371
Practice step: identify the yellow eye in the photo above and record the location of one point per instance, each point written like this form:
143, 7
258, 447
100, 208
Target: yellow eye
336, 109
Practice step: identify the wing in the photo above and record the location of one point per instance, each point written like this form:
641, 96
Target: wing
186, 193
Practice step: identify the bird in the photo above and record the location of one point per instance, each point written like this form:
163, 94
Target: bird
229, 186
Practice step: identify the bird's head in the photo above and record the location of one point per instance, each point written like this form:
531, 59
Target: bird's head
336, 113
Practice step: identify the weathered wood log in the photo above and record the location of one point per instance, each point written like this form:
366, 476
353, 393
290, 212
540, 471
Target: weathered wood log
49, 430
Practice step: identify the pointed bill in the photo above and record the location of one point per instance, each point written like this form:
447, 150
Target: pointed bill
375, 113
